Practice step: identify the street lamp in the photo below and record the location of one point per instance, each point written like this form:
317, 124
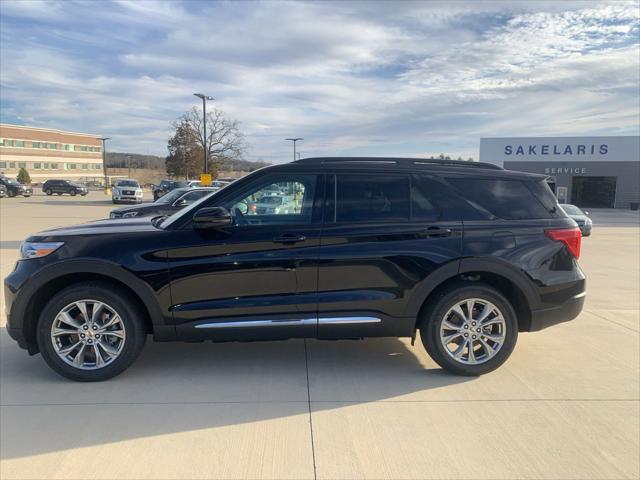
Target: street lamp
294, 140
104, 161
204, 117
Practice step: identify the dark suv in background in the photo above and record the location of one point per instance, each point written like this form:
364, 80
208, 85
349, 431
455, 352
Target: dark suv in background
466, 253
15, 188
60, 187
168, 185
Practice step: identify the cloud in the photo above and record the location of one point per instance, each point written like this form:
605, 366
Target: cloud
369, 78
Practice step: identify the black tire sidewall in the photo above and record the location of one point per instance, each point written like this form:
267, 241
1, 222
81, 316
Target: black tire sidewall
124, 306
434, 315
48, 192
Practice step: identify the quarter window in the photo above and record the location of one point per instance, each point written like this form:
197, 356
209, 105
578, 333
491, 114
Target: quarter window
372, 198
506, 199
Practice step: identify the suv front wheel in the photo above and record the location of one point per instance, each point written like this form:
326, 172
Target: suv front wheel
91, 332
469, 329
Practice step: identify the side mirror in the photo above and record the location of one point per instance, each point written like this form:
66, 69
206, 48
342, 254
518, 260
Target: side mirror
211, 218
586, 212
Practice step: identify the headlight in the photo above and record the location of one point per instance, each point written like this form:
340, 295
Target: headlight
38, 249
113, 215
129, 214
139, 193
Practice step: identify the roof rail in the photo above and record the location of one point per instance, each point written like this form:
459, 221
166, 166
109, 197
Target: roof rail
397, 161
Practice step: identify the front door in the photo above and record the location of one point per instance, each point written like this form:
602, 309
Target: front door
257, 279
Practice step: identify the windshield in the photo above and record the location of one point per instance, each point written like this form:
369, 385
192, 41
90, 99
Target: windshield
127, 183
11, 181
572, 210
171, 196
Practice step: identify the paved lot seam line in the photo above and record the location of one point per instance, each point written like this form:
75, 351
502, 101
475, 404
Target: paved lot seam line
313, 451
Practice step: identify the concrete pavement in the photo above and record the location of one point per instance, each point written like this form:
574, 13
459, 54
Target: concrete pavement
566, 405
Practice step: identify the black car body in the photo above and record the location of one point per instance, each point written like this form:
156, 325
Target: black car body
15, 188
580, 217
166, 205
467, 253
168, 185
60, 187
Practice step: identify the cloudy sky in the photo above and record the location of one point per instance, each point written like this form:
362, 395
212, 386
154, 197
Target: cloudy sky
352, 78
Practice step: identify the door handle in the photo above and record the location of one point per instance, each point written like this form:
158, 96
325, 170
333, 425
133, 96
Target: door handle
289, 238
437, 232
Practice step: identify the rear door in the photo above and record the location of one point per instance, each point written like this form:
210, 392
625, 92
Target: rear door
383, 235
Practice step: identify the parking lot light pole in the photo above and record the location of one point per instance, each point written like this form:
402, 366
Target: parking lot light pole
294, 140
204, 121
104, 161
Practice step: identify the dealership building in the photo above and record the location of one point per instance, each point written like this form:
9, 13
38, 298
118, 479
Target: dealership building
46, 153
596, 172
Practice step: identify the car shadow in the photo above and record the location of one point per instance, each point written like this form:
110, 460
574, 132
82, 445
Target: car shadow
204, 386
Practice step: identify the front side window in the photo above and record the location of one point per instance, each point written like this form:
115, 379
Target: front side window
191, 197
372, 198
275, 201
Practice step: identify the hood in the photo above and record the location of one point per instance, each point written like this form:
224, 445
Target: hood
140, 206
99, 227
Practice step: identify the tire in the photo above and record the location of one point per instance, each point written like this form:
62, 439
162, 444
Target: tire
48, 191
72, 193
117, 301
26, 196
11, 193
487, 353
59, 193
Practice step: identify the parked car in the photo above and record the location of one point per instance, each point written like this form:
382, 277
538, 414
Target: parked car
466, 253
3, 190
168, 185
15, 188
60, 187
580, 217
126, 190
166, 205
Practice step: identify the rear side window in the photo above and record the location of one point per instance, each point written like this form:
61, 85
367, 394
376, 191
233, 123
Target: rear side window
507, 199
372, 198
423, 194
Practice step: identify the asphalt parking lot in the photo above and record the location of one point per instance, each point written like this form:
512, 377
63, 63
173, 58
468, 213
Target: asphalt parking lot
566, 405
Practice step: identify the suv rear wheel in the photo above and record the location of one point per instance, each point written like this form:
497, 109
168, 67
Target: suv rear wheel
91, 332
469, 329
48, 191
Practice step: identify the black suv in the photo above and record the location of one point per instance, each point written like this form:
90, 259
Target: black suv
168, 185
64, 186
467, 253
15, 188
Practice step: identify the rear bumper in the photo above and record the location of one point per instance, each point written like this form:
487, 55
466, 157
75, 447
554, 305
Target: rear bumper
562, 313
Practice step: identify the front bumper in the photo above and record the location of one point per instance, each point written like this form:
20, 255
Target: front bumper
127, 198
565, 312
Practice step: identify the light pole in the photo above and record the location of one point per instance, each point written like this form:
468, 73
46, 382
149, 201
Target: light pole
204, 120
294, 140
104, 161
129, 165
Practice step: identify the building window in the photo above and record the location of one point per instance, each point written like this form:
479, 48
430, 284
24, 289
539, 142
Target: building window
97, 166
46, 166
1, 142
66, 146
19, 143
12, 164
35, 145
54, 166
37, 166
72, 166
22, 164
3, 164
53, 146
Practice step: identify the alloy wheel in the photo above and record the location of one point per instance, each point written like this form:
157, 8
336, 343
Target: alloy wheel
473, 331
88, 334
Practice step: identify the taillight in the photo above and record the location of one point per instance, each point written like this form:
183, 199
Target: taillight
571, 237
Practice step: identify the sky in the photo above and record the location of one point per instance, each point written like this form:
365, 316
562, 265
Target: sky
351, 78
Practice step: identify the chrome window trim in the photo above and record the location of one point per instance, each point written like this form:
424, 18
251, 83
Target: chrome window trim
347, 320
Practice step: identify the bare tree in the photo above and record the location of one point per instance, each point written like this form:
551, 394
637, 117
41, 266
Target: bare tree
224, 139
